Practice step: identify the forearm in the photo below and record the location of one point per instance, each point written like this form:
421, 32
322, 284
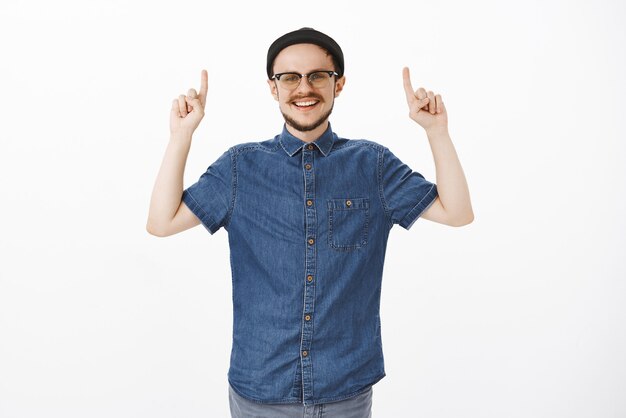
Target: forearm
451, 184
168, 187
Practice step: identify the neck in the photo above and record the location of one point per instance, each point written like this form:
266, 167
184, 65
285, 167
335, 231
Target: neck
308, 136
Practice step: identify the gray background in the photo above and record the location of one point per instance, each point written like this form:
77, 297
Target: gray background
520, 314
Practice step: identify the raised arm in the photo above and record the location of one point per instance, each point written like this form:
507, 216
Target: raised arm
168, 215
453, 206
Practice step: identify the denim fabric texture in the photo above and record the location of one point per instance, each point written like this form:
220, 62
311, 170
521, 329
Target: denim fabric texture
307, 227
359, 406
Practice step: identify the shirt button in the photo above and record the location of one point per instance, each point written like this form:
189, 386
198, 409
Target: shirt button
310, 146
309, 202
311, 241
309, 278
307, 166
307, 317
348, 202
305, 353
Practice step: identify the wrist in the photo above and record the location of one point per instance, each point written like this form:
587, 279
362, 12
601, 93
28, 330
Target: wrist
437, 132
180, 136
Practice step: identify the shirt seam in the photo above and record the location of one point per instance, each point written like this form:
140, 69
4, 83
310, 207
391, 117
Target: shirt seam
207, 220
381, 191
377, 379
233, 186
358, 143
419, 208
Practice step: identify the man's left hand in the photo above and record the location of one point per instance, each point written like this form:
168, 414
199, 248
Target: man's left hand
425, 108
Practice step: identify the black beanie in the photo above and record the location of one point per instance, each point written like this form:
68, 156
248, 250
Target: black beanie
304, 36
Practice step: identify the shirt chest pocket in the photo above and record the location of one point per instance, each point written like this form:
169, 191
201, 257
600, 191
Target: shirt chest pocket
348, 223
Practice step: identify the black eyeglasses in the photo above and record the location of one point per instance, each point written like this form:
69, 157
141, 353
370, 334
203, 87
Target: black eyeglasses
317, 79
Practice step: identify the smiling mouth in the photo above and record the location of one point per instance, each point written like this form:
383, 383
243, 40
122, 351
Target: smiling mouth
305, 104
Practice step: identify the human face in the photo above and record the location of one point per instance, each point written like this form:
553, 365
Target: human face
305, 109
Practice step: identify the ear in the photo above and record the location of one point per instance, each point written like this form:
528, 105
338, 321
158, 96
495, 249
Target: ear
339, 85
273, 89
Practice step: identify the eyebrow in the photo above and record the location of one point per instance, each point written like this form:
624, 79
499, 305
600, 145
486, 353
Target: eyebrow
309, 72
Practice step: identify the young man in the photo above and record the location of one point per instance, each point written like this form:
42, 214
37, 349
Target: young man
308, 215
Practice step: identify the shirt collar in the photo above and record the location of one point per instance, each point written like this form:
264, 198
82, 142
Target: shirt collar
291, 144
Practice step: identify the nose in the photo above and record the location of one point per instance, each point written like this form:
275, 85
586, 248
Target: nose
304, 85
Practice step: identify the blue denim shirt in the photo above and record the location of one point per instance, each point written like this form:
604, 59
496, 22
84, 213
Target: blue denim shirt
307, 227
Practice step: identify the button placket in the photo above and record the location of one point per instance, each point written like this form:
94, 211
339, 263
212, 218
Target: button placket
310, 266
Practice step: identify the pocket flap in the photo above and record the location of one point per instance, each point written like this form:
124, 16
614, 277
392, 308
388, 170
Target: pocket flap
349, 203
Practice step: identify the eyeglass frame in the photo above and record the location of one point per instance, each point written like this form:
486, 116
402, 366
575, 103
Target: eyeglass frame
276, 77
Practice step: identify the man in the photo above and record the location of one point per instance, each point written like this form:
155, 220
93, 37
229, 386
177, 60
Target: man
308, 215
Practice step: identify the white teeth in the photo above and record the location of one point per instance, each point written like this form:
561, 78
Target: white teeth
305, 103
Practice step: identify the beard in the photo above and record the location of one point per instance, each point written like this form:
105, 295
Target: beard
304, 128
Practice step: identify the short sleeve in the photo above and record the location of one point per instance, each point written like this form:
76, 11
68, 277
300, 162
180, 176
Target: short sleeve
405, 193
210, 198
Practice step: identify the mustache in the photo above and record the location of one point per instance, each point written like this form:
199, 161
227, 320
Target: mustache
307, 96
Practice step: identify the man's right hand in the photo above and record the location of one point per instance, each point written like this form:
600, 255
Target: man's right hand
187, 111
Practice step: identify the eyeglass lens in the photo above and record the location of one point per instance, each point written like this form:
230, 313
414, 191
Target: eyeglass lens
316, 79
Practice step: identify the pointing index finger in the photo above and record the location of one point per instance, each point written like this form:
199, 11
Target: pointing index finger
203, 87
408, 88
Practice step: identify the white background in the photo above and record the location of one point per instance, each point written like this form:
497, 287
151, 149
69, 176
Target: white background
520, 314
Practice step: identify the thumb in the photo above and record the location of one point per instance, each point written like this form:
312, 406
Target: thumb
422, 102
195, 103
